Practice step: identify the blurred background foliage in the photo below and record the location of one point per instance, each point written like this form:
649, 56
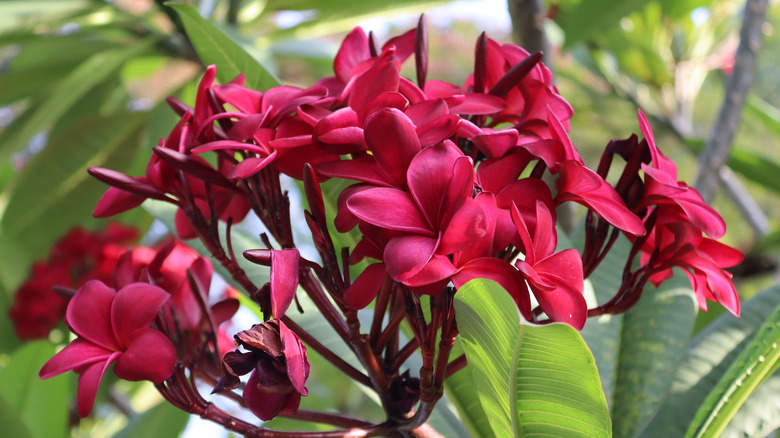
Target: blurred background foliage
83, 83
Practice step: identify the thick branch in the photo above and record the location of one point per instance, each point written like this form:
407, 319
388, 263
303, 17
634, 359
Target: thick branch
716, 149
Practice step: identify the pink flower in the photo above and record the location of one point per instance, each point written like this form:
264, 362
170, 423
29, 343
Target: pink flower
113, 327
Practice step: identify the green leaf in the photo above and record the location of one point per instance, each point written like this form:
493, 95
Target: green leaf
584, 19
162, 421
32, 398
13, 426
531, 380
214, 47
653, 340
751, 165
335, 17
460, 389
755, 363
709, 357
79, 82
54, 191
765, 112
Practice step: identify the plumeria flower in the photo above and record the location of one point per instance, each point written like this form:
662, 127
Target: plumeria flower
113, 328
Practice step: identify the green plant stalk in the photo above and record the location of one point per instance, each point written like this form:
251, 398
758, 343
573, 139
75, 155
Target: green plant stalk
757, 362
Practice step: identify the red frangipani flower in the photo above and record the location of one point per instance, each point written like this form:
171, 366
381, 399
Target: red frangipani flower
113, 327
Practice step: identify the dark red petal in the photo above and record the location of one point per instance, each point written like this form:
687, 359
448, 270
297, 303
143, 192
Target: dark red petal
429, 177
284, 279
365, 288
295, 357
116, 201
264, 405
89, 381
150, 356
135, 306
89, 314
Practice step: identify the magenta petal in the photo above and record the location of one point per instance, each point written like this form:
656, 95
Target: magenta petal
429, 178
478, 103
438, 268
496, 144
353, 51
406, 256
389, 208
116, 201
150, 356
229, 145
284, 279
582, 185
438, 130
89, 314
362, 168
392, 138
89, 381
467, 226
251, 166
365, 288
135, 306
78, 353
295, 357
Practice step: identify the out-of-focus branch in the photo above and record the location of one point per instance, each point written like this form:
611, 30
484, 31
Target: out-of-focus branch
528, 18
716, 149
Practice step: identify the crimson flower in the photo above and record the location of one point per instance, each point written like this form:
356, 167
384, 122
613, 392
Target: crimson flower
113, 327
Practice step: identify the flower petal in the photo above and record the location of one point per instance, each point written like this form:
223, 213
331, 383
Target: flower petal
135, 306
89, 314
295, 357
78, 353
284, 279
392, 138
365, 288
149, 356
89, 381
389, 208
406, 256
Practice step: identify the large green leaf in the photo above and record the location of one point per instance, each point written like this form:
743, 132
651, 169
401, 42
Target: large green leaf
32, 398
653, 340
586, 18
709, 357
339, 16
214, 47
460, 389
162, 421
531, 380
54, 191
13, 426
755, 363
89, 74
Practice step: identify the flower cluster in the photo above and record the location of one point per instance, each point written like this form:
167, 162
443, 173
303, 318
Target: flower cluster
76, 258
113, 322
449, 183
